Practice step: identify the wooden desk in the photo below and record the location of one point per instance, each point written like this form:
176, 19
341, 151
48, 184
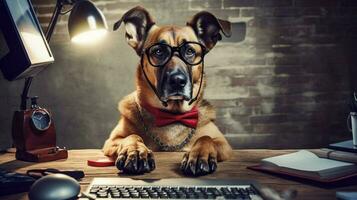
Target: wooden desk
167, 167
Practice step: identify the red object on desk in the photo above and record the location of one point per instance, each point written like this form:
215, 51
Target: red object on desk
101, 162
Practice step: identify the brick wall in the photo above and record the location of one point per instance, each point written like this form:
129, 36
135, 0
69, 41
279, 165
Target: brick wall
285, 86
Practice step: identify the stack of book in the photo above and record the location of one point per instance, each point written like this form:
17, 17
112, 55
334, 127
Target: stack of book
321, 165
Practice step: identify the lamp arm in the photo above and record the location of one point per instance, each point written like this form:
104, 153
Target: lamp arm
25, 91
54, 19
48, 34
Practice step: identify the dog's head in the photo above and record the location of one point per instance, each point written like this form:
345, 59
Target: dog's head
172, 56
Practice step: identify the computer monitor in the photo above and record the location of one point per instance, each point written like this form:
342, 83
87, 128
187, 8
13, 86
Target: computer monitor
24, 51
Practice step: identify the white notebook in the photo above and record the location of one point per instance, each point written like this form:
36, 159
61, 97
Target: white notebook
305, 163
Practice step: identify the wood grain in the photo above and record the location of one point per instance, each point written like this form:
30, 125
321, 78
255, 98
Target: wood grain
168, 167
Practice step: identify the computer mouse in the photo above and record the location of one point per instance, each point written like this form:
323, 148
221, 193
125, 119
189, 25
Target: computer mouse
54, 187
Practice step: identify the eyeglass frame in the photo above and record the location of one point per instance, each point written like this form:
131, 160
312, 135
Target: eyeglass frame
176, 49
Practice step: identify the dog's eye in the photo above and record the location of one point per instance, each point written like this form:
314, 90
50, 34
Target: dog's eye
158, 52
190, 51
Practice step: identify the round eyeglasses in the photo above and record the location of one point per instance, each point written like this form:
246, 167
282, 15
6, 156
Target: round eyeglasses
159, 54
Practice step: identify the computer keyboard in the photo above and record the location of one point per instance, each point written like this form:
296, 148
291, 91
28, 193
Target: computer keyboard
184, 188
11, 182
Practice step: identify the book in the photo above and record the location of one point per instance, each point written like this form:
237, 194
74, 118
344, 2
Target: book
305, 164
336, 155
346, 195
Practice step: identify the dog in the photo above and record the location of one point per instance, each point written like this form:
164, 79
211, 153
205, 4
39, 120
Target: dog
167, 111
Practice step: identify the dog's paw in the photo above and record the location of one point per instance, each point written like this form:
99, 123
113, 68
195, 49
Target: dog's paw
201, 160
135, 159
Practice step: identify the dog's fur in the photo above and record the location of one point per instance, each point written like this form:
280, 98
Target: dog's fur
128, 143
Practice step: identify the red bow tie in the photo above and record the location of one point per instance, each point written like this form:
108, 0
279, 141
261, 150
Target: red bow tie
163, 118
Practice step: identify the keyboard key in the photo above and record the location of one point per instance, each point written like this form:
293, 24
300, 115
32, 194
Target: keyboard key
93, 191
102, 195
225, 191
115, 195
154, 195
125, 195
135, 195
215, 191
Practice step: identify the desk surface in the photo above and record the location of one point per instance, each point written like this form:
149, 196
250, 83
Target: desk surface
167, 167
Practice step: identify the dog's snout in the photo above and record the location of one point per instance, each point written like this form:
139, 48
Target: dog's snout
177, 80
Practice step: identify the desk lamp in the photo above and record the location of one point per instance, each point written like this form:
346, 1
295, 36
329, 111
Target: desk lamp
33, 130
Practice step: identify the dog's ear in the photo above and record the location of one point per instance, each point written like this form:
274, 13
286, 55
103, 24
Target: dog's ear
137, 23
207, 28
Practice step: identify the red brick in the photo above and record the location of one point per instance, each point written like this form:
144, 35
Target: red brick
312, 11
238, 3
247, 12
285, 60
219, 103
254, 92
256, 61
287, 49
44, 20
287, 108
243, 81
121, 5
223, 13
273, 128
316, 3
274, 3
206, 3
291, 69
250, 101
277, 12
264, 12
293, 99
42, 10
264, 119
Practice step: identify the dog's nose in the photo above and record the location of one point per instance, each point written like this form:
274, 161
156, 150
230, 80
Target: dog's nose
177, 80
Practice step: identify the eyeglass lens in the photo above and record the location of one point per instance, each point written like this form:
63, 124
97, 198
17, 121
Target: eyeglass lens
160, 54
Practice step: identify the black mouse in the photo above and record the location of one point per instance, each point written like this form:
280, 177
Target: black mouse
54, 187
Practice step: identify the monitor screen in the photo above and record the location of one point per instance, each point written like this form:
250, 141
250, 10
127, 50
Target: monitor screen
29, 31
27, 51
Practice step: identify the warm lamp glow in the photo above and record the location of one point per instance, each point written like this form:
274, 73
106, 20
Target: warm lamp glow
86, 23
89, 37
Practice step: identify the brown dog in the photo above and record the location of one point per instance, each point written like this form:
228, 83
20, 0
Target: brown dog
167, 112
